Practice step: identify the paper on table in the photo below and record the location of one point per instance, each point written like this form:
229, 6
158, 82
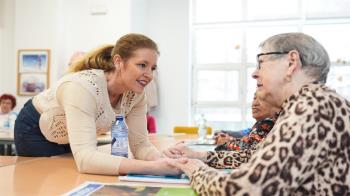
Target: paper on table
182, 179
97, 188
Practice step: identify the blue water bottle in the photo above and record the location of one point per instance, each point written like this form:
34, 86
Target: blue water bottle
119, 137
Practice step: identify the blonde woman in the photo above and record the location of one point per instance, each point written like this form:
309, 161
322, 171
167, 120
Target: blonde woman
104, 83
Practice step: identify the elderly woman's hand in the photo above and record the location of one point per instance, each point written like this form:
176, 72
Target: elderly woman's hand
222, 137
182, 150
188, 166
174, 151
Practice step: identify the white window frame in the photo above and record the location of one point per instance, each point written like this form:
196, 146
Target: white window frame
242, 67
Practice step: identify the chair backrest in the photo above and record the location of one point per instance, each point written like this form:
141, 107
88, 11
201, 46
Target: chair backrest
190, 130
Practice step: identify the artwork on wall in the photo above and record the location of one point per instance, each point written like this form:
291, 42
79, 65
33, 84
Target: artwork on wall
33, 71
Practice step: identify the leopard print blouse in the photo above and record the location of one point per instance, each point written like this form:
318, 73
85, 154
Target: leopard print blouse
306, 153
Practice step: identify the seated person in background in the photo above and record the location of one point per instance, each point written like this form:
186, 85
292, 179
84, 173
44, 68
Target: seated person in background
7, 116
263, 113
307, 151
151, 123
105, 83
234, 152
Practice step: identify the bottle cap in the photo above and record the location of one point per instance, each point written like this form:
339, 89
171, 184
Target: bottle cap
119, 117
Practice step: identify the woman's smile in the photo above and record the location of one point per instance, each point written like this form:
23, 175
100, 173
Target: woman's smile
143, 83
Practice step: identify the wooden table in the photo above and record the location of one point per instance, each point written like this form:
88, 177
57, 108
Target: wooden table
58, 175
7, 137
9, 160
7, 140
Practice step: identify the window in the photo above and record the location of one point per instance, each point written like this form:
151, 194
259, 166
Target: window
217, 85
226, 35
225, 10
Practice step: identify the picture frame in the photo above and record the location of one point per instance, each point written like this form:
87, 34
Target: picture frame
33, 71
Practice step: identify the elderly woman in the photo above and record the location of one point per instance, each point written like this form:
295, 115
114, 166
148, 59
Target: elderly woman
7, 116
232, 154
265, 116
308, 150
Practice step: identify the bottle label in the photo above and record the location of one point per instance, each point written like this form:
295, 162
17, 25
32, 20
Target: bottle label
119, 146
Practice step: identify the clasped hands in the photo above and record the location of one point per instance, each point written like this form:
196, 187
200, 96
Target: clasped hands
184, 158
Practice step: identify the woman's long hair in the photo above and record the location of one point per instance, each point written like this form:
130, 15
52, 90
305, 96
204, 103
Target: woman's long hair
102, 57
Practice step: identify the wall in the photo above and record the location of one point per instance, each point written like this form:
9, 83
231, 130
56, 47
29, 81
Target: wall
168, 24
63, 26
7, 56
84, 27
2, 44
35, 28
66, 26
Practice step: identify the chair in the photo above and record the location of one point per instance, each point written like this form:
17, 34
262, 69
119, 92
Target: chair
190, 130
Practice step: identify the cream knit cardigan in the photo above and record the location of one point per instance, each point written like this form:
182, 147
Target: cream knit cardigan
78, 109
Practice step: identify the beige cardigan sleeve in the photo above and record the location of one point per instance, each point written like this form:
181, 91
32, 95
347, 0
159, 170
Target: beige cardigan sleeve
80, 109
138, 134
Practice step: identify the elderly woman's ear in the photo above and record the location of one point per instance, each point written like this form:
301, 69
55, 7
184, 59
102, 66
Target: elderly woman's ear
294, 63
294, 58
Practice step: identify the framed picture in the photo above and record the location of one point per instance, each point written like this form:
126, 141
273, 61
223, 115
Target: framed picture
33, 71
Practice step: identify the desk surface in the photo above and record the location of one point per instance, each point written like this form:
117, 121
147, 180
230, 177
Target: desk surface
9, 160
58, 175
7, 137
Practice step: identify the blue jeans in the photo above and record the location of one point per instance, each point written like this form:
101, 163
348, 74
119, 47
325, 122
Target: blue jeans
29, 140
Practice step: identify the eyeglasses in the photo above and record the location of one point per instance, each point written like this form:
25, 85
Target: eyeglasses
267, 53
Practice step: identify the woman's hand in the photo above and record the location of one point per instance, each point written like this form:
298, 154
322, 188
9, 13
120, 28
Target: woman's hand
162, 167
221, 138
188, 166
156, 167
